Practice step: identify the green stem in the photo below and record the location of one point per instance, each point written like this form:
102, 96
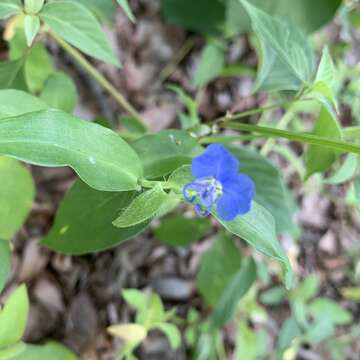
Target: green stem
120, 99
269, 132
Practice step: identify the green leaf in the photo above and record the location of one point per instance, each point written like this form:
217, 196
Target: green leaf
211, 64
13, 317
245, 342
144, 207
76, 24
5, 263
50, 350
171, 332
9, 8
165, 151
16, 102
180, 231
136, 298
323, 307
16, 196
31, 27
130, 333
307, 289
59, 92
273, 296
179, 178
33, 6
133, 125
287, 58
236, 288
83, 221
346, 171
319, 159
257, 228
127, 10
288, 332
53, 138
270, 188
215, 271
9, 72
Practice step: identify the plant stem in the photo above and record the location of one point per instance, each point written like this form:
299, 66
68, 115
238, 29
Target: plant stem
269, 132
120, 99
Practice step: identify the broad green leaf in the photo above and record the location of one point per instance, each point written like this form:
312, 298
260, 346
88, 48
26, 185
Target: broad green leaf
127, 10
53, 138
257, 228
133, 333
31, 27
59, 92
205, 16
286, 52
9, 8
245, 342
320, 329
319, 159
13, 317
180, 231
16, 102
5, 263
179, 178
11, 352
165, 151
346, 171
323, 307
37, 65
215, 270
16, 196
270, 188
288, 332
211, 64
33, 6
9, 73
171, 332
143, 207
78, 26
236, 288
50, 350
83, 221
103, 10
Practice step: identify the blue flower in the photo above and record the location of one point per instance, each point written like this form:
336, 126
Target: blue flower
219, 182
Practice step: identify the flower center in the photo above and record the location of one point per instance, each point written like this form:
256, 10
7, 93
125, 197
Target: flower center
203, 193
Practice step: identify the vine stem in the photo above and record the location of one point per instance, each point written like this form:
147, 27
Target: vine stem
78, 57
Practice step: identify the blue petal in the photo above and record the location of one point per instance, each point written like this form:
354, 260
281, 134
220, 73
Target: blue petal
238, 193
215, 161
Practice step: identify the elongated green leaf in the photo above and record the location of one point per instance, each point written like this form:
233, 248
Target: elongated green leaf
285, 49
31, 27
16, 102
4, 263
33, 6
165, 151
172, 333
143, 207
127, 10
53, 138
16, 196
215, 270
77, 25
59, 92
211, 64
318, 158
238, 286
9, 8
83, 221
13, 317
346, 171
103, 10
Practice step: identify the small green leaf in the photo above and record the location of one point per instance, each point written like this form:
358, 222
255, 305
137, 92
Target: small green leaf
53, 138
130, 333
179, 178
215, 271
76, 24
318, 158
236, 288
288, 332
5, 263
211, 64
9, 73
83, 221
346, 171
9, 8
13, 317
273, 296
127, 10
323, 307
181, 231
165, 151
33, 6
31, 28
144, 207
171, 332
16, 196
245, 342
135, 298
59, 92
308, 288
